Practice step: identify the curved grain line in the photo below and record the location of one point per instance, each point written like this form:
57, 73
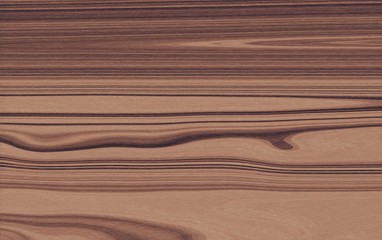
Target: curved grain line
110, 228
279, 139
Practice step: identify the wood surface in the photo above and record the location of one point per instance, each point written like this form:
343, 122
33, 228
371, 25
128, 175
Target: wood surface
190, 119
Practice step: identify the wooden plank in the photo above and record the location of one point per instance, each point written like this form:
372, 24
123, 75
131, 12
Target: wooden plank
187, 119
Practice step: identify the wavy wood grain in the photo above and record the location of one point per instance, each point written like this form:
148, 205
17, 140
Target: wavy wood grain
187, 119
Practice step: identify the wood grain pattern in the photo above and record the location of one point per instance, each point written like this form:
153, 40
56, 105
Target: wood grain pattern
187, 119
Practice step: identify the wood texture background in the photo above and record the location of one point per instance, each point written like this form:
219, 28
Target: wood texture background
187, 119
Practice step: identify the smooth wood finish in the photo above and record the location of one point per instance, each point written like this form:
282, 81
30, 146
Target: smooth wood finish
169, 120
